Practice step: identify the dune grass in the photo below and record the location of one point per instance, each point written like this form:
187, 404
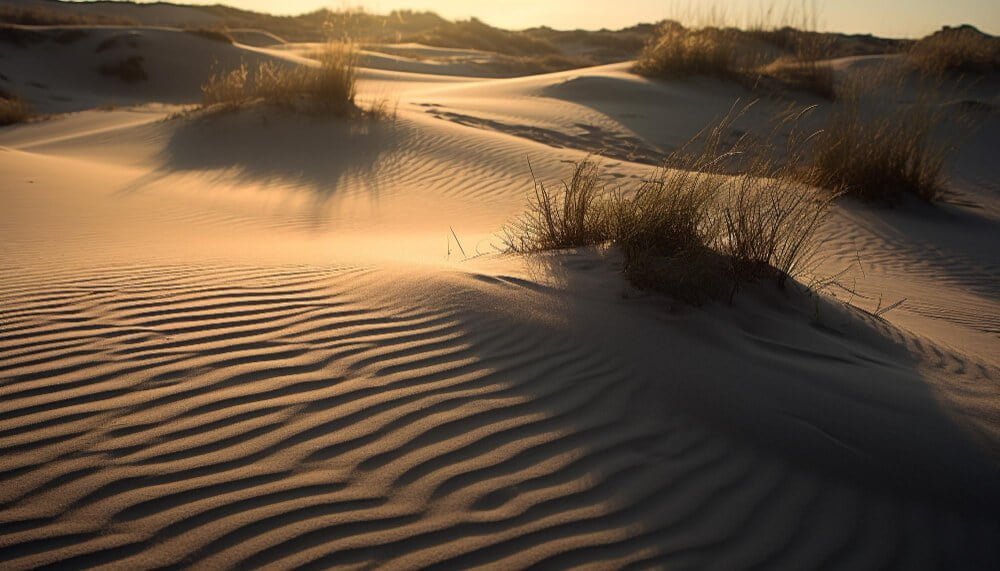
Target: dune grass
881, 142
878, 157
687, 230
785, 56
963, 50
741, 56
575, 215
14, 110
803, 68
680, 52
329, 87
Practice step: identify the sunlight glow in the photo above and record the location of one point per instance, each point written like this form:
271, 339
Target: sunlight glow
891, 18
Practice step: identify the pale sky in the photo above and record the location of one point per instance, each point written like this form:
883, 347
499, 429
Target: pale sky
891, 18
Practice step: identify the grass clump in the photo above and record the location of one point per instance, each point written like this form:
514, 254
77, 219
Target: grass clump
759, 53
330, 86
880, 151
680, 52
962, 50
687, 230
129, 70
789, 57
14, 110
804, 67
573, 216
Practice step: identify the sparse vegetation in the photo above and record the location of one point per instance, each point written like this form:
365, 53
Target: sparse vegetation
577, 215
328, 87
599, 45
879, 150
809, 75
129, 70
687, 230
962, 50
804, 68
681, 52
13, 110
736, 55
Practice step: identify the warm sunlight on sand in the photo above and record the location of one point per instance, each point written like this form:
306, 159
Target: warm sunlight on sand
368, 291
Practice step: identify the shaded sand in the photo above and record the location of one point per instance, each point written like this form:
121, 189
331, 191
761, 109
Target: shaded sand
253, 340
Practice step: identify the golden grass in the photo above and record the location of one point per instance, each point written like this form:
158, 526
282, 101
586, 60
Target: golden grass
759, 53
687, 230
680, 52
880, 157
331, 86
742, 56
879, 144
575, 215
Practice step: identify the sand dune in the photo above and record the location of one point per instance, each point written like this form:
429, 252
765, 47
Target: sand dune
252, 339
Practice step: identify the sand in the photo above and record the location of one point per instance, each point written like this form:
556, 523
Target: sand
263, 339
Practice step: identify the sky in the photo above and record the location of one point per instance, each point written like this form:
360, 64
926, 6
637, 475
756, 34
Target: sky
889, 18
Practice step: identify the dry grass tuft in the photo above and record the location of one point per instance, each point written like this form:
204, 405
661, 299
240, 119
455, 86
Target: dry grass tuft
879, 150
572, 216
769, 224
680, 52
791, 57
956, 51
687, 230
804, 68
14, 110
329, 87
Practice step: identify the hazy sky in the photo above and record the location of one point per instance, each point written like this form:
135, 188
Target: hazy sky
881, 17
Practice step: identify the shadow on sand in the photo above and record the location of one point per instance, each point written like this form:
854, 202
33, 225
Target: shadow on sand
325, 156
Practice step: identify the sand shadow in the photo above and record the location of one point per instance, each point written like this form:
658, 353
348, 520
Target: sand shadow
325, 156
822, 385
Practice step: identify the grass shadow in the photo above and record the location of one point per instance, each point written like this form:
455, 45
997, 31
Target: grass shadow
266, 146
